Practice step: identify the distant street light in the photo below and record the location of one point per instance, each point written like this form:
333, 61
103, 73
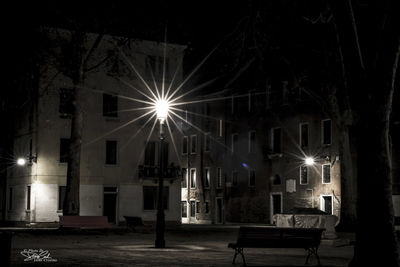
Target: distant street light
161, 108
21, 161
309, 161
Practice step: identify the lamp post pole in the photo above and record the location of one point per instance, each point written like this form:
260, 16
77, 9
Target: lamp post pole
161, 107
160, 226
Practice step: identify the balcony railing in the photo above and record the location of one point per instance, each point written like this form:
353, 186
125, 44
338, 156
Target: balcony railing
152, 172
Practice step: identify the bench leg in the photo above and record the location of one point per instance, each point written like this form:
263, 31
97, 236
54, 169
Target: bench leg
239, 251
313, 251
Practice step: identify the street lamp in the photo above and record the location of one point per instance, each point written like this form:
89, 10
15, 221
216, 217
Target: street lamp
161, 108
309, 161
21, 161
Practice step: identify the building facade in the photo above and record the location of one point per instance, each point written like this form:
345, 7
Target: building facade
120, 144
248, 160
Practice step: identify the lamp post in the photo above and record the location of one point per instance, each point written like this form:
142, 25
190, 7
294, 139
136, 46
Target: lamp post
162, 113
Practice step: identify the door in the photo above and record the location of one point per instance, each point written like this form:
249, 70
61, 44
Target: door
219, 211
327, 204
110, 204
276, 204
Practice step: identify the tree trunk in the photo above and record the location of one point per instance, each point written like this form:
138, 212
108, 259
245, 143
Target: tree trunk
376, 243
71, 202
347, 182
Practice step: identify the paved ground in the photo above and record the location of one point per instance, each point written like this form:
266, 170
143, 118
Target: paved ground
186, 246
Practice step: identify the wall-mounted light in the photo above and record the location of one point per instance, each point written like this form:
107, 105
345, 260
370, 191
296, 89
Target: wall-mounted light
21, 161
309, 161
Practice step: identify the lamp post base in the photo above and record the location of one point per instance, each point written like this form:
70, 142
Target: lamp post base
160, 243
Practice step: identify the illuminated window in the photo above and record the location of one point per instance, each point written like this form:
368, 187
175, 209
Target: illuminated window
326, 173
184, 209
207, 180
192, 178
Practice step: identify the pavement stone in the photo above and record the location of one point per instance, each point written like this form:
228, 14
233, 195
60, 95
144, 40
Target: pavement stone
185, 246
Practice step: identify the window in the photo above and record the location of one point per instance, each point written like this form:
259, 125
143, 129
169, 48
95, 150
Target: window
150, 196
326, 173
207, 174
252, 178
219, 177
276, 140
61, 196
252, 101
184, 177
276, 179
304, 174
10, 198
207, 142
185, 145
64, 150
28, 197
303, 135
220, 128
192, 208
184, 209
66, 102
235, 138
151, 64
192, 178
110, 105
326, 132
234, 178
197, 207
207, 207
111, 152
252, 142
193, 143
150, 154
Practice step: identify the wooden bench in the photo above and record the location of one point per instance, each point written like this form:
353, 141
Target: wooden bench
277, 237
84, 222
132, 222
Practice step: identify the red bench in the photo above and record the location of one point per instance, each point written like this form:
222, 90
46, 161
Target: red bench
84, 222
